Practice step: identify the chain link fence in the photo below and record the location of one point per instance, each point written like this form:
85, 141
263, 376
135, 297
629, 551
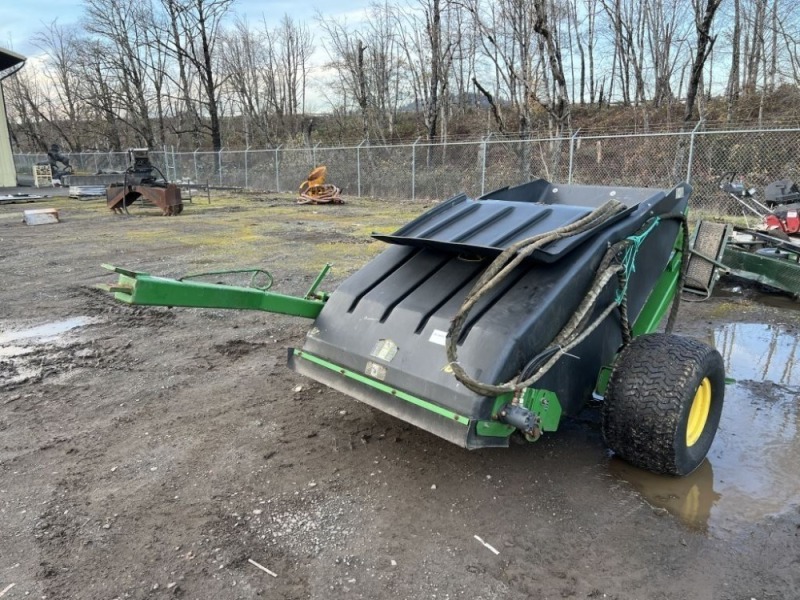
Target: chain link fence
438, 171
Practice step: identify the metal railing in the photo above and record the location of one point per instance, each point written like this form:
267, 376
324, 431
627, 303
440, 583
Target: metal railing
436, 171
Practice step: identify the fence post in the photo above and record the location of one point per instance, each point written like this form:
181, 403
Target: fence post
246, 177
196, 174
484, 144
358, 165
691, 151
277, 171
414, 168
314, 155
96, 166
572, 153
219, 162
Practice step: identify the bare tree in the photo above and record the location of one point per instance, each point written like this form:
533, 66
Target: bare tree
734, 86
123, 26
464, 56
196, 28
507, 34
628, 17
296, 49
245, 56
346, 50
61, 107
99, 91
367, 62
591, 18
430, 39
172, 41
705, 10
666, 35
788, 26
559, 107
179, 71
24, 100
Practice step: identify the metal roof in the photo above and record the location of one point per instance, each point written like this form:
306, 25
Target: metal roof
9, 59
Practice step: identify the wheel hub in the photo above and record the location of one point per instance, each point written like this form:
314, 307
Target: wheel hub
698, 413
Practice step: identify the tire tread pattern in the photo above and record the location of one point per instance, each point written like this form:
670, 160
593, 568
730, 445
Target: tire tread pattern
649, 394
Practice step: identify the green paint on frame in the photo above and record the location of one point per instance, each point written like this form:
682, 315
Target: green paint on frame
382, 387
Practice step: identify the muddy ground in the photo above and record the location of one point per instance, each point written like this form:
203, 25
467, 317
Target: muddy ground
149, 453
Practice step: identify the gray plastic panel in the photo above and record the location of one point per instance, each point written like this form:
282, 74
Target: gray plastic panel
491, 224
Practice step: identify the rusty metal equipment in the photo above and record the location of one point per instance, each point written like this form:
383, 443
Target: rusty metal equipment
314, 190
139, 183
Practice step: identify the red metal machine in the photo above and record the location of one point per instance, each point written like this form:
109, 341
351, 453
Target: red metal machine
780, 211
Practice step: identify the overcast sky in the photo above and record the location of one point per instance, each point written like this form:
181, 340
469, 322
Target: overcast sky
21, 19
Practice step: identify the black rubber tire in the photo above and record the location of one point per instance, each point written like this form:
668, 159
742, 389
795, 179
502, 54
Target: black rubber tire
649, 396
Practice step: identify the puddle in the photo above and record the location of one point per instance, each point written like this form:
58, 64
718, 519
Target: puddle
46, 331
690, 498
751, 470
759, 353
20, 363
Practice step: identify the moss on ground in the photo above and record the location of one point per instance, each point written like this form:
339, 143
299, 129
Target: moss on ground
249, 229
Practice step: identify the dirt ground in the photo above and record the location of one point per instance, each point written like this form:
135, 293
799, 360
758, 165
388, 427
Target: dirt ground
149, 452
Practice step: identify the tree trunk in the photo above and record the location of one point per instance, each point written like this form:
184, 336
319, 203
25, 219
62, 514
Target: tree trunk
705, 43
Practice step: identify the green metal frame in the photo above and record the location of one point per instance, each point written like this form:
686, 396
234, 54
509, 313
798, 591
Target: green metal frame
141, 288
543, 403
780, 273
654, 309
663, 293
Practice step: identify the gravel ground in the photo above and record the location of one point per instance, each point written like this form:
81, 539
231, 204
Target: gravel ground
149, 453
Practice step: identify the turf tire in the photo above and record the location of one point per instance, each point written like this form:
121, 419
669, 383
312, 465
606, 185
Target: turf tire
649, 398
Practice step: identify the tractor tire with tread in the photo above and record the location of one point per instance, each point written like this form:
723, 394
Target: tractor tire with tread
648, 417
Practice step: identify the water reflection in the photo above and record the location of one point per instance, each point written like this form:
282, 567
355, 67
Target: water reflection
48, 330
19, 361
751, 470
759, 352
690, 498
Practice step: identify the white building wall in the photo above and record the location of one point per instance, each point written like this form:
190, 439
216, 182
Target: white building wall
8, 177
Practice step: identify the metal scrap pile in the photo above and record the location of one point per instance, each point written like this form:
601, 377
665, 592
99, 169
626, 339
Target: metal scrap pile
314, 190
83, 186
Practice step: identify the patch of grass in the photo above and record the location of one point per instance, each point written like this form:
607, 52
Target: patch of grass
346, 258
247, 230
695, 216
722, 310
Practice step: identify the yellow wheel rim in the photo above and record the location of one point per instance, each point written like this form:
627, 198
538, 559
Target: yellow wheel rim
698, 414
